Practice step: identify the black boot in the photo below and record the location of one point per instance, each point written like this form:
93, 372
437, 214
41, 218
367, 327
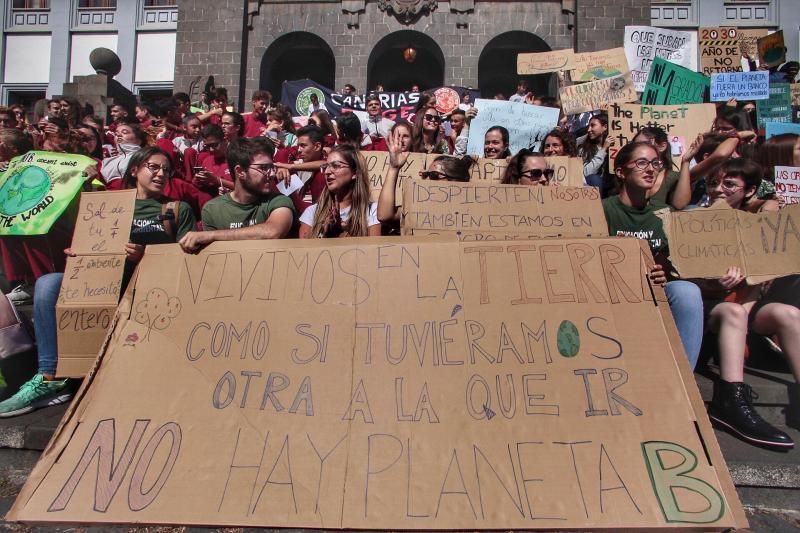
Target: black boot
732, 408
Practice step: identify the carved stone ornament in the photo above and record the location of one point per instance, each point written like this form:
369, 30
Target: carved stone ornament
407, 10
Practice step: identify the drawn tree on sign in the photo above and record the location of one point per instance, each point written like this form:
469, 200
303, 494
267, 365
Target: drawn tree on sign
157, 310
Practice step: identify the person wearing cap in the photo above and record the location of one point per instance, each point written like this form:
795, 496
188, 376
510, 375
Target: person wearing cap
376, 126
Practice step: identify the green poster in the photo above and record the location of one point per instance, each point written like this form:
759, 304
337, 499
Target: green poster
670, 84
36, 189
777, 108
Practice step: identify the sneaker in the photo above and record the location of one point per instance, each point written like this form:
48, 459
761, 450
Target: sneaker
35, 394
21, 294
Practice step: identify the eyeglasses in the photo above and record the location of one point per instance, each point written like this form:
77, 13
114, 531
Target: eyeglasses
266, 169
641, 164
165, 170
536, 173
432, 118
728, 185
433, 175
336, 165
211, 146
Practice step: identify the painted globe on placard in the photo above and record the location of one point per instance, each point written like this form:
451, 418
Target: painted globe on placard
599, 73
23, 190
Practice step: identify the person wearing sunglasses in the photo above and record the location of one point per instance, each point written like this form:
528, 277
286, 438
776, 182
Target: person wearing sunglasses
633, 213
528, 168
344, 209
736, 308
426, 135
253, 209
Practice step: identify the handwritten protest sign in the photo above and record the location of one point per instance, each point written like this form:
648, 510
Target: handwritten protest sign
484, 211
795, 94
681, 122
705, 242
567, 171
720, 50
772, 50
740, 85
644, 43
584, 97
378, 167
787, 183
37, 188
748, 40
92, 281
670, 84
543, 62
779, 128
777, 108
527, 124
390, 384
591, 66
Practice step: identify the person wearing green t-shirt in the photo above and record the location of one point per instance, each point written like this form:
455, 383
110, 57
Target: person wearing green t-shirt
633, 214
253, 209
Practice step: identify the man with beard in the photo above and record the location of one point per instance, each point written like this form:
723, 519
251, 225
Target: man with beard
253, 209
255, 122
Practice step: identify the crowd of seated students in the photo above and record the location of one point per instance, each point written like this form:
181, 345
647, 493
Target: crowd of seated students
215, 175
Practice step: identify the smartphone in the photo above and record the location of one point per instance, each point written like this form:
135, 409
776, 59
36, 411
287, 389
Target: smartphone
197, 169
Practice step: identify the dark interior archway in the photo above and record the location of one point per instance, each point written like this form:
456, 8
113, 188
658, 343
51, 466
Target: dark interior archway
295, 56
497, 65
386, 65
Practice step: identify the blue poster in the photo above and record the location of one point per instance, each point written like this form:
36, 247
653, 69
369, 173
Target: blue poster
740, 85
779, 128
527, 124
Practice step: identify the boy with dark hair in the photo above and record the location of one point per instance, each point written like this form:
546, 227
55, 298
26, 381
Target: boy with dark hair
253, 209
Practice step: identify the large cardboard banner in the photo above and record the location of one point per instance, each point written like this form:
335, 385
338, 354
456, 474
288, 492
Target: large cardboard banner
645, 43
390, 384
544, 62
591, 66
527, 124
703, 243
483, 211
740, 85
90, 290
720, 50
681, 122
37, 188
593, 95
670, 84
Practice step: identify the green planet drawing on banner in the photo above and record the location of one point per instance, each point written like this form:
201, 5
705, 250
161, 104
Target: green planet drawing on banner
24, 190
599, 73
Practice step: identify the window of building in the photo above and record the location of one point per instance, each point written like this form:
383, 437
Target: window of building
97, 4
31, 4
160, 3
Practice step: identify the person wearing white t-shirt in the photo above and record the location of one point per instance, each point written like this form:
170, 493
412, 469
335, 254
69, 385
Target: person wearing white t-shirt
344, 209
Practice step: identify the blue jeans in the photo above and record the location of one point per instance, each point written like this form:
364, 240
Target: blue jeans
686, 305
594, 180
45, 297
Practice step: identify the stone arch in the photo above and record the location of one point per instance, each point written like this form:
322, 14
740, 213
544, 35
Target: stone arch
497, 65
294, 56
388, 67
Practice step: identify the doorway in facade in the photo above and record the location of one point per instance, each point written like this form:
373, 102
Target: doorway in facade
403, 59
497, 66
296, 56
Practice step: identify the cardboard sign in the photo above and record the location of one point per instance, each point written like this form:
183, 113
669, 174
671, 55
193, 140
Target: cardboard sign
378, 167
748, 40
645, 43
390, 384
37, 188
777, 108
772, 50
527, 124
543, 62
585, 97
703, 243
591, 66
492, 170
567, 171
787, 184
483, 211
719, 50
670, 84
681, 122
91, 287
740, 85
779, 128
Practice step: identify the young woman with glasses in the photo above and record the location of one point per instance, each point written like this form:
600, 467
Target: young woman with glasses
528, 168
426, 136
344, 209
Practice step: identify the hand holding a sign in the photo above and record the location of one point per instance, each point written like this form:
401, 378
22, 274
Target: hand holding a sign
134, 252
732, 278
194, 241
657, 275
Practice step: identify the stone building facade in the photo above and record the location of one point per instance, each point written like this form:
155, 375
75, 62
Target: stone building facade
469, 43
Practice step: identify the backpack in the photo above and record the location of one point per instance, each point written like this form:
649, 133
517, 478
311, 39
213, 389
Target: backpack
14, 334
